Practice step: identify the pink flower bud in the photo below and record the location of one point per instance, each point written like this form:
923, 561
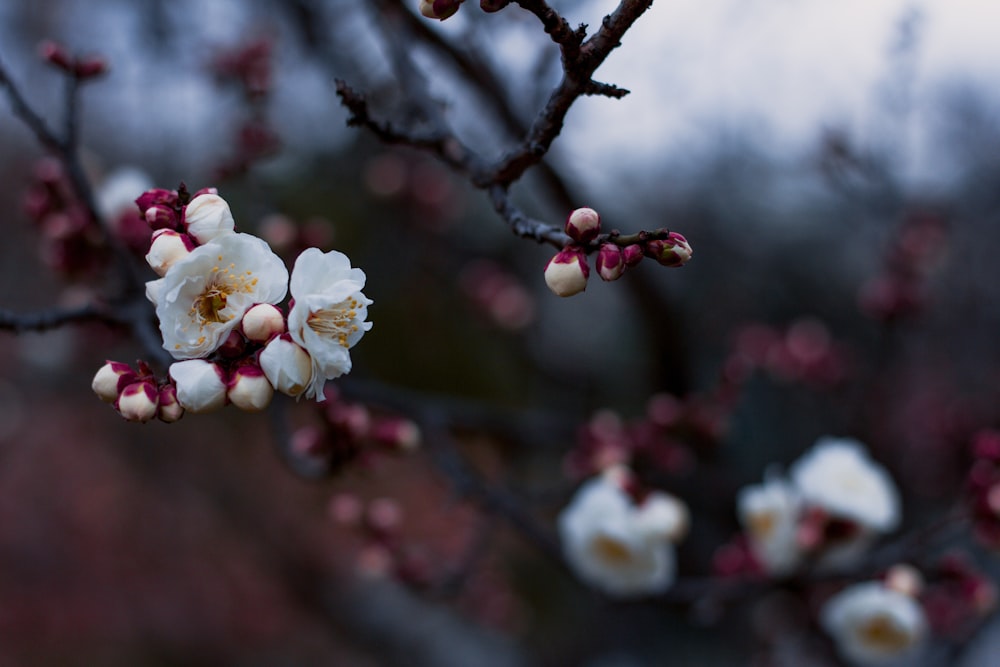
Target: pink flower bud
166, 248
111, 378
155, 196
672, 251
249, 389
490, 6
439, 9
567, 272
200, 385
263, 321
583, 225
87, 68
233, 346
286, 365
55, 54
170, 409
632, 254
610, 262
161, 216
208, 216
396, 433
138, 401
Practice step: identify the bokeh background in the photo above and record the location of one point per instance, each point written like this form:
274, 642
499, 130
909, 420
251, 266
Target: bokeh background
834, 166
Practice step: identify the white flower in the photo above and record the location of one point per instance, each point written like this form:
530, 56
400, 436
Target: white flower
203, 296
838, 477
207, 217
200, 385
166, 248
286, 366
116, 195
614, 545
328, 315
769, 513
874, 625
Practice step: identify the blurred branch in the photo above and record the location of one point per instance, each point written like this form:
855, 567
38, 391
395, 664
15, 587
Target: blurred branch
50, 319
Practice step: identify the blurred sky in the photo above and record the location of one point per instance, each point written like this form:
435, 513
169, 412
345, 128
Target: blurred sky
784, 69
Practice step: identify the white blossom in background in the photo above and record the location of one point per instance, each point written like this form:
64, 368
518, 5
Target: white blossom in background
617, 546
328, 313
837, 476
875, 626
203, 296
769, 513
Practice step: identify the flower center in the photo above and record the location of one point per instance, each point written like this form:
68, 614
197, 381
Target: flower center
223, 283
884, 635
335, 322
610, 550
762, 524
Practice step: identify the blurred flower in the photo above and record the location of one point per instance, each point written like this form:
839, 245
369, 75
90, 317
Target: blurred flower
616, 545
838, 477
204, 295
769, 513
567, 272
874, 625
328, 315
201, 386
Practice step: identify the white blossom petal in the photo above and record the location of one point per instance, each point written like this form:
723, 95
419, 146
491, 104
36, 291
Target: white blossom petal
200, 385
873, 625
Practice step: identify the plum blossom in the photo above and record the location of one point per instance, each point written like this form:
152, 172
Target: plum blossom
201, 385
875, 625
203, 296
769, 512
328, 314
618, 546
838, 477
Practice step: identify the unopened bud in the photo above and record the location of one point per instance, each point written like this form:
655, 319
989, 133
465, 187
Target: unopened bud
55, 54
610, 262
170, 409
905, 579
86, 68
161, 216
490, 6
662, 515
583, 225
138, 401
287, 366
249, 389
352, 419
439, 9
396, 433
672, 251
263, 321
208, 216
110, 379
154, 197
633, 255
166, 248
200, 385
567, 272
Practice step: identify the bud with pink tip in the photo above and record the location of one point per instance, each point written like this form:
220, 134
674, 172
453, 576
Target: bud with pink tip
155, 196
208, 216
170, 409
262, 322
610, 262
112, 377
249, 389
90, 67
55, 54
567, 272
439, 9
396, 433
201, 385
166, 248
138, 401
632, 254
672, 251
287, 366
161, 216
583, 225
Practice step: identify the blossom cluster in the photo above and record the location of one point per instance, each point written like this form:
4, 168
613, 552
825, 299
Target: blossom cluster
619, 537
217, 302
832, 506
567, 272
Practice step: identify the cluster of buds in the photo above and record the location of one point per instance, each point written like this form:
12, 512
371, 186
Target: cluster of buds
567, 272
137, 395
983, 487
349, 432
216, 301
250, 67
916, 251
804, 352
660, 440
383, 552
82, 67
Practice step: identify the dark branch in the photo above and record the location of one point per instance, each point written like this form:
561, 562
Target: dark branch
50, 319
